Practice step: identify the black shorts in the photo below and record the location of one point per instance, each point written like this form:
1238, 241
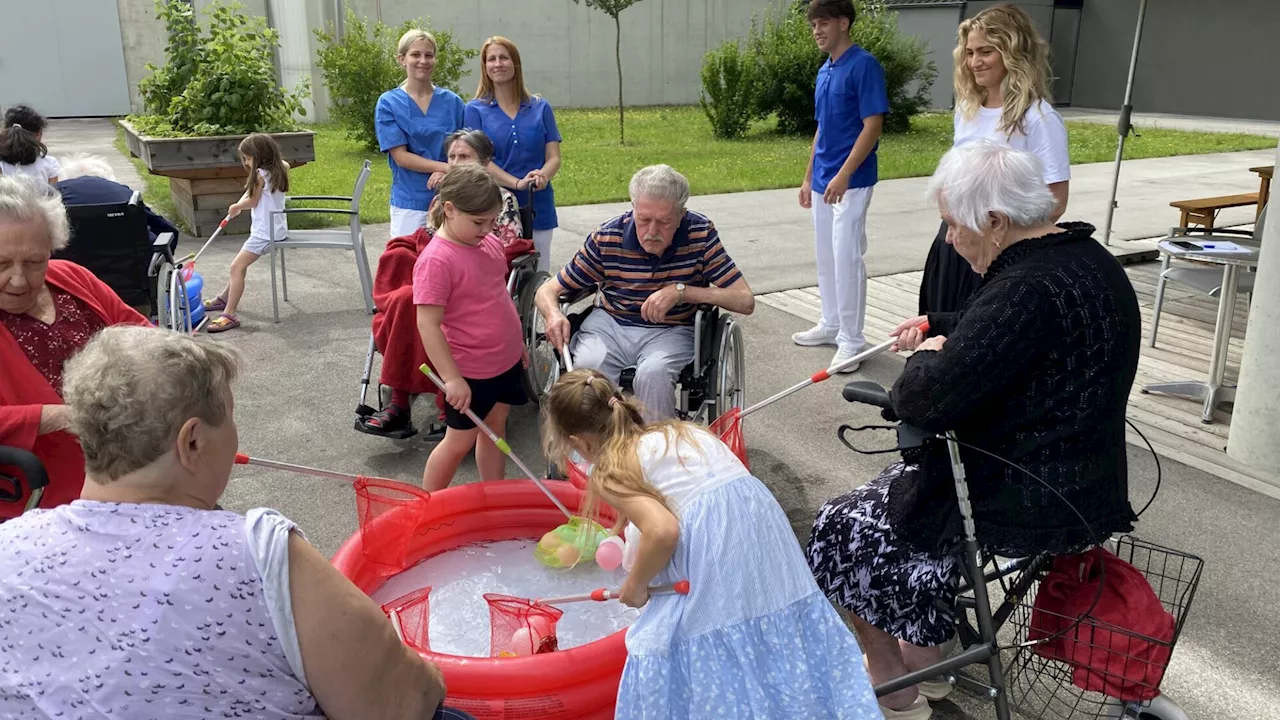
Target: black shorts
504, 388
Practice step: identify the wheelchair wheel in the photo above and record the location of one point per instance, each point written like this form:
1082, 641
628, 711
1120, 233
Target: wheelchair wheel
729, 375
544, 365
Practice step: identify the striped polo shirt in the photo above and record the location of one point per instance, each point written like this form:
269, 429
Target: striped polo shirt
627, 274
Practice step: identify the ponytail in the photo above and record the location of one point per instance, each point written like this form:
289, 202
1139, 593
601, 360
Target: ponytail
19, 140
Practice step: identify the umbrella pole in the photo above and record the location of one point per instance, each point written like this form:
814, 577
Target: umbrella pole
1124, 127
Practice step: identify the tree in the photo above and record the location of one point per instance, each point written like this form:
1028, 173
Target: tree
613, 8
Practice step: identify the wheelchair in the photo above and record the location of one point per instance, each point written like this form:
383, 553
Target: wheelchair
112, 241
709, 386
30, 480
523, 281
1037, 684
176, 305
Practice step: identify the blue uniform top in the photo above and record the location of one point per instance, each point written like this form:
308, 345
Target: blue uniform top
399, 121
849, 89
520, 145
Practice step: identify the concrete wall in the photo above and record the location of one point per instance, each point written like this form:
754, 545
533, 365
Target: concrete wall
1195, 58
936, 25
568, 49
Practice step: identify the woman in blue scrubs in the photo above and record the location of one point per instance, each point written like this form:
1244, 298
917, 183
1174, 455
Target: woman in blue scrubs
525, 138
412, 122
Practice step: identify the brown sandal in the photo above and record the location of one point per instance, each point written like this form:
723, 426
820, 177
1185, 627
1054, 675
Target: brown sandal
223, 323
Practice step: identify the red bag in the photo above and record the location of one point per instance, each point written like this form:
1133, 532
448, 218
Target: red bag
1122, 647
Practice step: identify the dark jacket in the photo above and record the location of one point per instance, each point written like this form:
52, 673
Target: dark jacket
91, 190
1036, 369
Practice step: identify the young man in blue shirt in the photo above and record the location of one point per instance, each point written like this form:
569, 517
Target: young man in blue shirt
851, 102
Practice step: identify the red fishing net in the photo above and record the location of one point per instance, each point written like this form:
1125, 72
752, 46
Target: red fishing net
410, 614
397, 510
729, 429
518, 627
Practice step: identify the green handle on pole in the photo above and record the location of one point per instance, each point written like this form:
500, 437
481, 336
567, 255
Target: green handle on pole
500, 444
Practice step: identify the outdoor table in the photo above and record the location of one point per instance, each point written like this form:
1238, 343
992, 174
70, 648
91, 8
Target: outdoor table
1211, 391
1265, 173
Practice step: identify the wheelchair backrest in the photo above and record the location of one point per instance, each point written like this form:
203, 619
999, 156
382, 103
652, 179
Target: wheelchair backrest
113, 242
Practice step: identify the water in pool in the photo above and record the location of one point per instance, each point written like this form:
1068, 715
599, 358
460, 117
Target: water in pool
459, 616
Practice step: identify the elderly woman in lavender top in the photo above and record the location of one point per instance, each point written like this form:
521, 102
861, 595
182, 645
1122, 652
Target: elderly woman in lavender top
142, 599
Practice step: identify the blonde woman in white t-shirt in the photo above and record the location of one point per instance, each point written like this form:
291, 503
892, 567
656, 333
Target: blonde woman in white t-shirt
22, 150
263, 194
1002, 94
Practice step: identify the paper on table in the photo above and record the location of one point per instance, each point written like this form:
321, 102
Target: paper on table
1220, 247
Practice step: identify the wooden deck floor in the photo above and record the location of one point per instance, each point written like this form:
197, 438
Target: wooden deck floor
1171, 424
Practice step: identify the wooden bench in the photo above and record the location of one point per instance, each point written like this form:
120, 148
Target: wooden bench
1204, 210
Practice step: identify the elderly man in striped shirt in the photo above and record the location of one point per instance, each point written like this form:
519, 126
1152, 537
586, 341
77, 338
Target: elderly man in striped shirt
653, 265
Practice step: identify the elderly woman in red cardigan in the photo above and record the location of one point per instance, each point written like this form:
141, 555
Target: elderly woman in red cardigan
48, 311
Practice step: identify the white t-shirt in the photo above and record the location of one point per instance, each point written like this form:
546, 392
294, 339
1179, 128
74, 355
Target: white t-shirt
682, 471
270, 199
45, 168
1043, 133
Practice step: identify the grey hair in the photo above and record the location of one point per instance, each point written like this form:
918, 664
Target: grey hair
131, 389
84, 164
984, 177
24, 198
660, 182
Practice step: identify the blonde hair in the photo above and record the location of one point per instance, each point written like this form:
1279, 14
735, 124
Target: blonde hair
585, 404
485, 90
1025, 54
408, 39
131, 389
470, 188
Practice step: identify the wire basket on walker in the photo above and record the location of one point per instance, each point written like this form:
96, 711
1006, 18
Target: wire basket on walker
1069, 666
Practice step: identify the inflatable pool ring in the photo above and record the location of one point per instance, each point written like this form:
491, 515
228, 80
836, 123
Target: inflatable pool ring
580, 682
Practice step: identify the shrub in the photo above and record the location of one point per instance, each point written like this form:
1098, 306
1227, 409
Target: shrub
361, 65
219, 83
728, 90
789, 61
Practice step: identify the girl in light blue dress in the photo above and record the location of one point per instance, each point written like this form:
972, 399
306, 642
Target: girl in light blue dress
755, 637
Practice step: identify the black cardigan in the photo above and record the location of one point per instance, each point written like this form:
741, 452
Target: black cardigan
1037, 370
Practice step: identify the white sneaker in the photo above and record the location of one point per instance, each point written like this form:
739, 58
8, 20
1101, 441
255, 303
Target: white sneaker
842, 355
815, 336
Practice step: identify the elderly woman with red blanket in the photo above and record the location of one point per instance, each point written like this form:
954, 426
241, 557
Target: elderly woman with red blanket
395, 325
48, 311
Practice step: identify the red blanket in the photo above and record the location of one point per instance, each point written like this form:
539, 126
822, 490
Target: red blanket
395, 324
1121, 648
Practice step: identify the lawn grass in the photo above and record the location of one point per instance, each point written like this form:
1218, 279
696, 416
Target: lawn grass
596, 169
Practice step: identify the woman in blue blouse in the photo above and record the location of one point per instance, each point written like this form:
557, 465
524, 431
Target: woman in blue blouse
412, 122
523, 130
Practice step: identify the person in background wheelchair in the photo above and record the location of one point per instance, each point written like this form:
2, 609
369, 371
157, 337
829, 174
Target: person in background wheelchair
654, 265
89, 180
395, 325
1036, 369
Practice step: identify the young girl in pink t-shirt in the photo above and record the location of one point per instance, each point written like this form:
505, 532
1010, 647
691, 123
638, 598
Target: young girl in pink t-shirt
468, 324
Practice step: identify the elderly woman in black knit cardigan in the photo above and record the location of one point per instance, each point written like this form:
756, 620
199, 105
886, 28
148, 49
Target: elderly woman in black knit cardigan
1036, 369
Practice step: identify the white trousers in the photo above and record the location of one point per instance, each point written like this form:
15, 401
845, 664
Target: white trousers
542, 243
406, 222
840, 235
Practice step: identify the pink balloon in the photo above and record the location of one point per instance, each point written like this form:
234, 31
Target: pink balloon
609, 553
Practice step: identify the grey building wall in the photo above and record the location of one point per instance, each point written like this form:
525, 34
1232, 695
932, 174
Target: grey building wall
568, 48
936, 25
1196, 58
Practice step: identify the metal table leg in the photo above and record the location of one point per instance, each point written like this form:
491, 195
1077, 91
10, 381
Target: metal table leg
1212, 392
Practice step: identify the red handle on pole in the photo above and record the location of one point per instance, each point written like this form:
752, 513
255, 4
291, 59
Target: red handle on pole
242, 459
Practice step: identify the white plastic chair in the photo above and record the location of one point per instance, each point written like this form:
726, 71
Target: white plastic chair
1204, 280
349, 238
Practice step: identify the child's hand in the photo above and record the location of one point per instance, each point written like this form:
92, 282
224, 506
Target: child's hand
633, 594
233, 211
458, 394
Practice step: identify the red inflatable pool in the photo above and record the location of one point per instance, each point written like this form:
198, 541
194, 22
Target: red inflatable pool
581, 682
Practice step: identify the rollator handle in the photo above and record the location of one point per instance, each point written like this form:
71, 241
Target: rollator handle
868, 392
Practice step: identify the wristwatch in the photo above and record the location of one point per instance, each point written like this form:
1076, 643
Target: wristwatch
680, 296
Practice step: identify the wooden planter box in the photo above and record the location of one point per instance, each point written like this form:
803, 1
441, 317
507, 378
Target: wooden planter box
205, 174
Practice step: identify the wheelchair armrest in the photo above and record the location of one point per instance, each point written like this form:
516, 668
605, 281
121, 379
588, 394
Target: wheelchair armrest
866, 391
521, 262
29, 465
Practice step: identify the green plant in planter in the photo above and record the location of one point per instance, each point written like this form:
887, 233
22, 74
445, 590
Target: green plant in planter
222, 82
361, 65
